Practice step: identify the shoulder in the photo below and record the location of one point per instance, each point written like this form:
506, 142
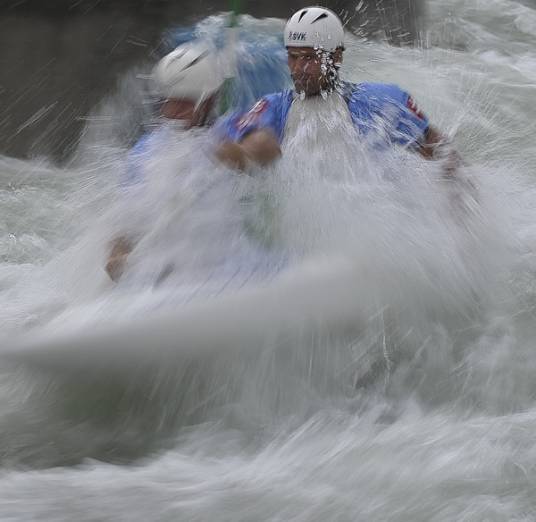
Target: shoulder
266, 112
262, 105
138, 155
141, 145
377, 92
272, 101
371, 102
277, 97
385, 100
147, 141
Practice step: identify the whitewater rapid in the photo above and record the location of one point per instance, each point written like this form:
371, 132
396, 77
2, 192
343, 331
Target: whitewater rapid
366, 326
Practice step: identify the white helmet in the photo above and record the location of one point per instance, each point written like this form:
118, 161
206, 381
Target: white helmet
189, 72
315, 27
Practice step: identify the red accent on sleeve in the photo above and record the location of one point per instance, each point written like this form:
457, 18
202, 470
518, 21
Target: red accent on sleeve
253, 115
412, 106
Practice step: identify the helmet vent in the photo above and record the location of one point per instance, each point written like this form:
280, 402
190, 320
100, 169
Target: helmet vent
177, 57
196, 60
320, 17
303, 13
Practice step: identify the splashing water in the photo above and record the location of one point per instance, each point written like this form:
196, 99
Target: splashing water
346, 335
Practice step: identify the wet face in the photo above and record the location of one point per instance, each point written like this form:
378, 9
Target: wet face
178, 109
187, 111
313, 70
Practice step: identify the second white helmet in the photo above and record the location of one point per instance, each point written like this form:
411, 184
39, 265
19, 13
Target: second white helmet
315, 27
190, 72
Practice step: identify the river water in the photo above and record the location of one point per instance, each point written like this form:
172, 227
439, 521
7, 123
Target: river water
379, 367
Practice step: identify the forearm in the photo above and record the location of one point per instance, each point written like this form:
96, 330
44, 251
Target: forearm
259, 147
232, 155
435, 146
438, 148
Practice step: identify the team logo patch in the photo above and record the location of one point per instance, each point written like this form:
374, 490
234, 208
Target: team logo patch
253, 115
412, 106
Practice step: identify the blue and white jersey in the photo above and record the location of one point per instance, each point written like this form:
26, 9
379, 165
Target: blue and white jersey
382, 113
148, 151
189, 219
